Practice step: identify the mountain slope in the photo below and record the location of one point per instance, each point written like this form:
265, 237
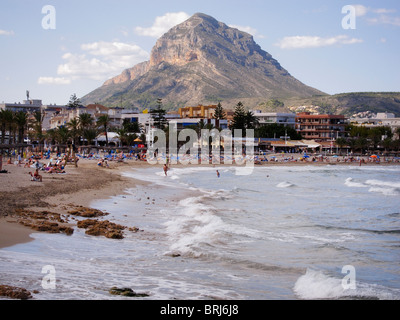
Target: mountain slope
202, 61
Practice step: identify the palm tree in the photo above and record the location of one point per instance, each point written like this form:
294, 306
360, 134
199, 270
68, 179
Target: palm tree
37, 127
74, 127
90, 134
85, 120
21, 120
123, 136
8, 118
62, 135
3, 125
104, 121
341, 142
251, 120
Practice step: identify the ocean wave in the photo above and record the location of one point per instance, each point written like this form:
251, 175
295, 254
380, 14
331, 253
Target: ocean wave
387, 188
317, 285
351, 183
285, 184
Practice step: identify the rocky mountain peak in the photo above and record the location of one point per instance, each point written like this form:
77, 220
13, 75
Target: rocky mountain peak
203, 61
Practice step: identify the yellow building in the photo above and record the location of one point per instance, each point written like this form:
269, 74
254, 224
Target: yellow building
204, 112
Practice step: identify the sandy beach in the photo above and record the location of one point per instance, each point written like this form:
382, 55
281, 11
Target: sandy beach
56, 193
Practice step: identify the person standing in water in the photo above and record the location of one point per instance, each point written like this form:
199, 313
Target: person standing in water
165, 169
218, 175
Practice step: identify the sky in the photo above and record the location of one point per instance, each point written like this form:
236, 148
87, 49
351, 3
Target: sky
56, 48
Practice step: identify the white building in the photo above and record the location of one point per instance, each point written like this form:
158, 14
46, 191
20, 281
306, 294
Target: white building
25, 106
381, 119
286, 119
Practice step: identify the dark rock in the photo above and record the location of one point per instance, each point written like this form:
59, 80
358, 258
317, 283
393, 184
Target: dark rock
14, 292
127, 292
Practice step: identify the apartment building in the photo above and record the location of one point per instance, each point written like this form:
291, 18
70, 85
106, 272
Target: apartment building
321, 127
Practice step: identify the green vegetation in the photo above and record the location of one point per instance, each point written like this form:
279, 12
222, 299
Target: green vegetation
370, 140
276, 130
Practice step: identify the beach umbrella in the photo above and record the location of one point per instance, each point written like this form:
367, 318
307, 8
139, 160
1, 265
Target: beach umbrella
374, 156
306, 156
335, 156
137, 140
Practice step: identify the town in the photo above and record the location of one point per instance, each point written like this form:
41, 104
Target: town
95, 126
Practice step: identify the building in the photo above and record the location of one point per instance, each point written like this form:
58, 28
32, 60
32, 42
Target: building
25, 106
322, 127
380, 120
202, 112
286, 119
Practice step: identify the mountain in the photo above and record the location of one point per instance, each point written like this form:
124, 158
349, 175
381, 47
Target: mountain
202, 61
347, 104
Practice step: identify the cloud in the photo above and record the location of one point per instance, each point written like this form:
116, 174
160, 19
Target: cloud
377, 15
385, 19
249, 30
101, 60
162, 24
97, 61
54, 80
300, 42
6, 33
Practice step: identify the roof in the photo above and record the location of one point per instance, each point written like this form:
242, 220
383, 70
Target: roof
97, 107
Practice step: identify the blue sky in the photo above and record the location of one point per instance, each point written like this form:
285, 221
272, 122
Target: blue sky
91, 41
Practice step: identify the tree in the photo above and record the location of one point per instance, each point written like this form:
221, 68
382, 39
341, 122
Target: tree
21, 120
275, 130
85, 121
74, 102
62, 135
37, 128
219, 113
104, 121
251, 120
158, 115
274, 104
131, 127
3, 125
7, 123
239, 117
73, 125
90, 134
341, 142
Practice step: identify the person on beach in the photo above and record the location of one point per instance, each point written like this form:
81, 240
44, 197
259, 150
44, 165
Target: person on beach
218, 174
36, 176
165, 169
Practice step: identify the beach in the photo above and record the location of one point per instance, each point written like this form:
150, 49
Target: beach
82, 184
194, 234
78, 186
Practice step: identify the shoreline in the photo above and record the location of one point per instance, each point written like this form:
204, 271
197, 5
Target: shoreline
57, 193
81, 185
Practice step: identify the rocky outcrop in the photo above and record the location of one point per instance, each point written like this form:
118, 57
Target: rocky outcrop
14, 292
129, 74
51, 222
126, 292
102, 228
44, 221
87, 212
202, 61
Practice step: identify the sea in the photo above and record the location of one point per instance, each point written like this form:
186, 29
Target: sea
283, 232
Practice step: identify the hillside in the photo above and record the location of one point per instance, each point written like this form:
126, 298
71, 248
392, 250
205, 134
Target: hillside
202, 61
349, 103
